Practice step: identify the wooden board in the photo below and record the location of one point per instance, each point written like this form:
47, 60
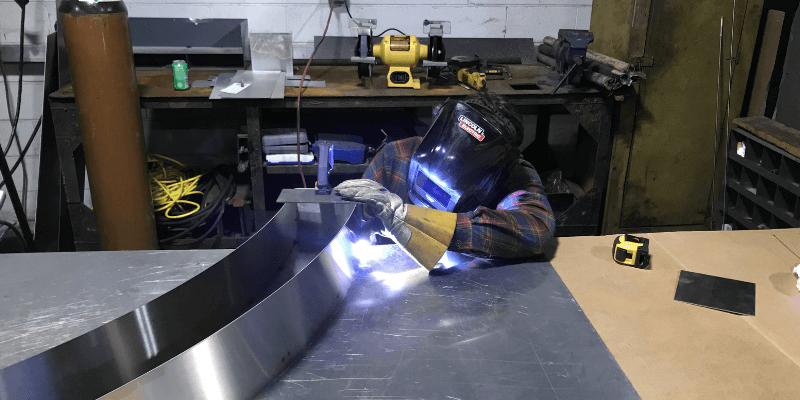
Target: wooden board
673, 350
766, 62
773, 132
342, 81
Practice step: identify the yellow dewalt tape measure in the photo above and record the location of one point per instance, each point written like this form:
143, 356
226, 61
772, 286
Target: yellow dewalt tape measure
475, 79
632, 250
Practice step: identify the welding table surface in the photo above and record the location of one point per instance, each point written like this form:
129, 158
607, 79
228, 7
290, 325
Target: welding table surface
667, 349
480, 331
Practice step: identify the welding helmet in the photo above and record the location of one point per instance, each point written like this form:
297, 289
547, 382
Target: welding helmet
466, 154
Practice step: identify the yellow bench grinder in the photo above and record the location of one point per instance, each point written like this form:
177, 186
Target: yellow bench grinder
399, 52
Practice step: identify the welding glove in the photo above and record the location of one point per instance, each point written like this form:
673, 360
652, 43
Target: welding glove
423, 232
379, 202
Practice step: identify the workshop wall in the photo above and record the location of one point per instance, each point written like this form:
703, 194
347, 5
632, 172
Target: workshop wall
305, 19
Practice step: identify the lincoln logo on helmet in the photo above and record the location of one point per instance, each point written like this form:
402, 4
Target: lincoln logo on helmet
471, 127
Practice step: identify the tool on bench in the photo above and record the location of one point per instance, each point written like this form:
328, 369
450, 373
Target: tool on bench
472, 77
473, 71
569, 52
363, 53
399, 52
435, 62
632, 250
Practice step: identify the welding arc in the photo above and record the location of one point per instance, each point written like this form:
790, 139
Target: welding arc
300, 92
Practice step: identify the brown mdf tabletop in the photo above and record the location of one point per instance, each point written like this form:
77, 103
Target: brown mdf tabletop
674, 350
343, 82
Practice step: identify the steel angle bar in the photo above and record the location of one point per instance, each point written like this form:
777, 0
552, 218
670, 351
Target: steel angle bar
224, 334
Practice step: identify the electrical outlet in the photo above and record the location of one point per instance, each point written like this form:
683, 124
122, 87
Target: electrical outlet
340, 3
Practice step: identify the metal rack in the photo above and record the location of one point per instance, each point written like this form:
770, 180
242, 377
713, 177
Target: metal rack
762, 189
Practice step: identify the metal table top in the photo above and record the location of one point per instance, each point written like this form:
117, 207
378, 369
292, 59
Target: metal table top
49, 298
478, 332
481, 330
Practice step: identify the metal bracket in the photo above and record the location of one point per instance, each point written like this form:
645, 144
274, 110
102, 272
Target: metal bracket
428, 63
644, 61
363, 26
435, 28
365, 60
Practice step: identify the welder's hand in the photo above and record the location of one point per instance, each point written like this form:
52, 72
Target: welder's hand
379, 202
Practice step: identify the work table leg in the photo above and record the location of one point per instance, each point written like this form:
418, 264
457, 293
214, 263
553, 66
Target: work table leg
256, 165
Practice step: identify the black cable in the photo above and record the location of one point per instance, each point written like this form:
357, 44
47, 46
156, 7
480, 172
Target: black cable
7, 91
15, 122
14, 138
24, 151
22, 220
347, 7
391, 29
15, 132
16, 232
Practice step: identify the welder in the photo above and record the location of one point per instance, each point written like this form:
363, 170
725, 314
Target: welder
463, 185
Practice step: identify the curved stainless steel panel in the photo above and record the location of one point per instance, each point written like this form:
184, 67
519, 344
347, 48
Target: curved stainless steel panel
224, 334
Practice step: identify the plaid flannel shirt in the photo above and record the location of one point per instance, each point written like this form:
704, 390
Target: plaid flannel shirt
520, 225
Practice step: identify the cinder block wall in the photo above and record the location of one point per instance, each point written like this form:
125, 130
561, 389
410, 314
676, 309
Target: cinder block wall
303, 18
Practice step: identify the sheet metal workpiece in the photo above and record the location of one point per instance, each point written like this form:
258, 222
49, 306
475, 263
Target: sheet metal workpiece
480, 330
224, 334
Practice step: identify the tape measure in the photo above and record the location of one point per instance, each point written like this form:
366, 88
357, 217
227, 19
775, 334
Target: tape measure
632, 250
475, 79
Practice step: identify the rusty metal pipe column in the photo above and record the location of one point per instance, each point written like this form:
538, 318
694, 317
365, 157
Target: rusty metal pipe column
103, 78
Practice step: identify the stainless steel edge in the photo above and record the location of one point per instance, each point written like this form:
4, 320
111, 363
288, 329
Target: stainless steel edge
225, 334
186, 50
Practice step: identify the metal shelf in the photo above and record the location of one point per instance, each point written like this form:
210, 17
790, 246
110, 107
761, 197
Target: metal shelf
768, 205
311, 169
762, 184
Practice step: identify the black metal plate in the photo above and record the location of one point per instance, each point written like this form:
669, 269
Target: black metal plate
723, 294
511, 332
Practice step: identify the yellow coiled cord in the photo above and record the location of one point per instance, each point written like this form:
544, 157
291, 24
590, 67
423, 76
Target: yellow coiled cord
169, 185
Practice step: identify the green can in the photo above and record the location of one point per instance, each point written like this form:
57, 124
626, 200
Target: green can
180, 75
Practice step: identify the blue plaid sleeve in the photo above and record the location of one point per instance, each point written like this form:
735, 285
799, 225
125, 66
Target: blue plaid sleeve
520, 226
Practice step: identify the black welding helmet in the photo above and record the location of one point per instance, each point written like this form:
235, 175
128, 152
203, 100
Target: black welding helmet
470, 147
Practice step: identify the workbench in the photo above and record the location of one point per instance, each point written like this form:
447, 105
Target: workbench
667, 349
594, 110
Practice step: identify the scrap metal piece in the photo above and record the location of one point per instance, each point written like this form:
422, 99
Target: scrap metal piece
226, 333
309, 196
718, 293
210, 82
255, 85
